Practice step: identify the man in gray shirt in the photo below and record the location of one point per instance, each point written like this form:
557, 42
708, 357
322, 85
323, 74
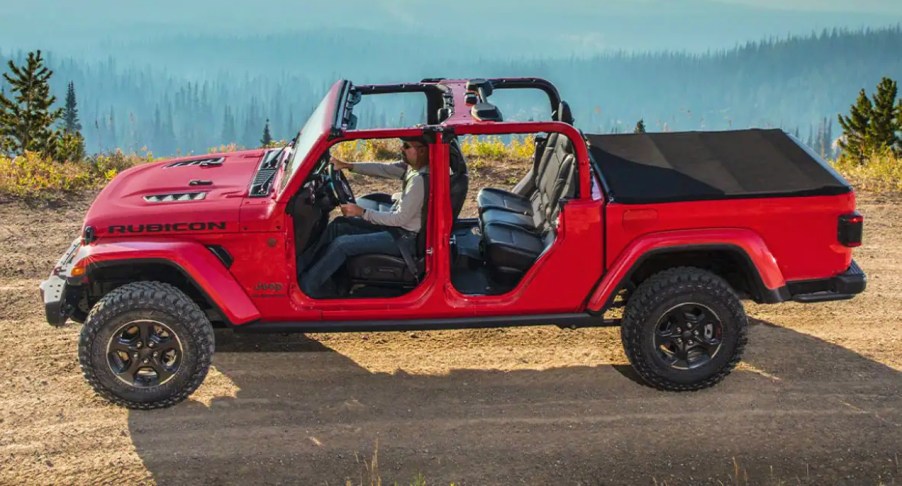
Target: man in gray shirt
362, 231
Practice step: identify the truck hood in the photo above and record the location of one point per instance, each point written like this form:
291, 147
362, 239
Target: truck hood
195, 194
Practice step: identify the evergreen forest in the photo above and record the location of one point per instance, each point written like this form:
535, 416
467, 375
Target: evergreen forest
798, 83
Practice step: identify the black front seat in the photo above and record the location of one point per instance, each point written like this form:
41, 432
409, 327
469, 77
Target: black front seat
392, 270
381, 269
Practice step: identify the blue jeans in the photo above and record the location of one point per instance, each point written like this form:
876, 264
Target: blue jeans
343, 238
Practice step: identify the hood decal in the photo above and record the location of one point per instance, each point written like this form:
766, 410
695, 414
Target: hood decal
199, 162
178, 196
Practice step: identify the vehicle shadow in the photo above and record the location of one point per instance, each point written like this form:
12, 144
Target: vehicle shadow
289, 409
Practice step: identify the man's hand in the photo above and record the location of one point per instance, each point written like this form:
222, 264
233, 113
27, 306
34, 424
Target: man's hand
351, 210
339, 164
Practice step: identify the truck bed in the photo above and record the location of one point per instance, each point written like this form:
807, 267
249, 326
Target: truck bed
693, 166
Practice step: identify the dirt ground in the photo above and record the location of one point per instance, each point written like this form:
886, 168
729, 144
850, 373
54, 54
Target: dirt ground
817, 399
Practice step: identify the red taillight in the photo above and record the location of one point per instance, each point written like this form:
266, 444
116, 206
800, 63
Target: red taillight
849, 229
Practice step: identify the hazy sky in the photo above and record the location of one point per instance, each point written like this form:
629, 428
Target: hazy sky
521, 27
889, 7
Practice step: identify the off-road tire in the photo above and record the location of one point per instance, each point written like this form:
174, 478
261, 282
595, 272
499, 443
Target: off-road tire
648, 305
146, 300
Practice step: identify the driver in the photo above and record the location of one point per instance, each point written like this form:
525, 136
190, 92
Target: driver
366, 231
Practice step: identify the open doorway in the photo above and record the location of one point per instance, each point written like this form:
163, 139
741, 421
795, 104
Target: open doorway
360, 219
520, 183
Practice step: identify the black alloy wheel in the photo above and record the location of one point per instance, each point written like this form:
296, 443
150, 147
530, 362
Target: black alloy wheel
688, 335
144, 353
684, 329
146, 345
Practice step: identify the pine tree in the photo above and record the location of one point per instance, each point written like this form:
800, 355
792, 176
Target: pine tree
26, 121
267, 137
252, 121
71, 124
855, 142
229, 134
828, 139
164, 140
640, 126
114, 137
71, 143
873, 125
823, 144
897, 148
884, 123
171, 142
157, 136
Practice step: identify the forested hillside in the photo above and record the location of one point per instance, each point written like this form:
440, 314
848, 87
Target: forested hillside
795, 83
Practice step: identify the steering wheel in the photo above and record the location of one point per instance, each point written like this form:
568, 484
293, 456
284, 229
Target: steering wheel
339, 185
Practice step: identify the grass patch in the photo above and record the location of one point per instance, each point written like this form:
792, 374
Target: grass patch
31, 176
881, 172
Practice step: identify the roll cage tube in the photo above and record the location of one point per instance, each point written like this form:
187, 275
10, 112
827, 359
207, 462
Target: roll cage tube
437, 97
554, 97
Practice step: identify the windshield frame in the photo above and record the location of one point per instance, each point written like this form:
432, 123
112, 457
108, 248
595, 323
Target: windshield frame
318, 127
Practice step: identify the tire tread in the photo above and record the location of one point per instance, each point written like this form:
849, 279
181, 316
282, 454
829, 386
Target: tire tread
155, 295
655, 290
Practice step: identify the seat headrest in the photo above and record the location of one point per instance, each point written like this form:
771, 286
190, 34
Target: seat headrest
456, 157
563, 113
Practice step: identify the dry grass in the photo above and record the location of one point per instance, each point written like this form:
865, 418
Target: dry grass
31, 176
881, 172
367, 150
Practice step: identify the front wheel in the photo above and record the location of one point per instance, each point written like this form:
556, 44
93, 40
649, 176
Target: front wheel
146, 345
684, 329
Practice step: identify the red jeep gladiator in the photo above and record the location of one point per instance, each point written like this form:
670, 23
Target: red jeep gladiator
676, 228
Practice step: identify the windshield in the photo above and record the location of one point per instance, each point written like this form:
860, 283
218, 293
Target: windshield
308, 136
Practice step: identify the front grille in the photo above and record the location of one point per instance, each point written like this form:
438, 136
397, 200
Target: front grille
176, 197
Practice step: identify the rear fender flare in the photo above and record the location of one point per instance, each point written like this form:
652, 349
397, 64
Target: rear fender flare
196, 263
744, 243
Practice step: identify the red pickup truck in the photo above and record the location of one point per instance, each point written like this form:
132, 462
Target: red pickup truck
676, 228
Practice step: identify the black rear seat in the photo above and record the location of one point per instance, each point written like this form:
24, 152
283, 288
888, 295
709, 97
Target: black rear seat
551, 185
512, 241
491, 198
510, 251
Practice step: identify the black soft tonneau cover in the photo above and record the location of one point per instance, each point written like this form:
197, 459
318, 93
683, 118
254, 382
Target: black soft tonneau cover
689, 166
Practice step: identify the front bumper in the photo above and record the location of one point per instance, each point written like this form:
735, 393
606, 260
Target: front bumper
53, 293
843, 286
59, 295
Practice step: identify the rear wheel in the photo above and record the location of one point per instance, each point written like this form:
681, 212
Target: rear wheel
684, 329
146, 345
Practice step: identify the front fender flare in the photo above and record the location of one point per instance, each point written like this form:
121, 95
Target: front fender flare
740, 240
195, 261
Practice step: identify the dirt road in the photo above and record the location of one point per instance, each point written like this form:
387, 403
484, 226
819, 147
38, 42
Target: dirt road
817, 400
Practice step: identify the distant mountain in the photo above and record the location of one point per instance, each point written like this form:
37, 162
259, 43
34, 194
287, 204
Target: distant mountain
217, 83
